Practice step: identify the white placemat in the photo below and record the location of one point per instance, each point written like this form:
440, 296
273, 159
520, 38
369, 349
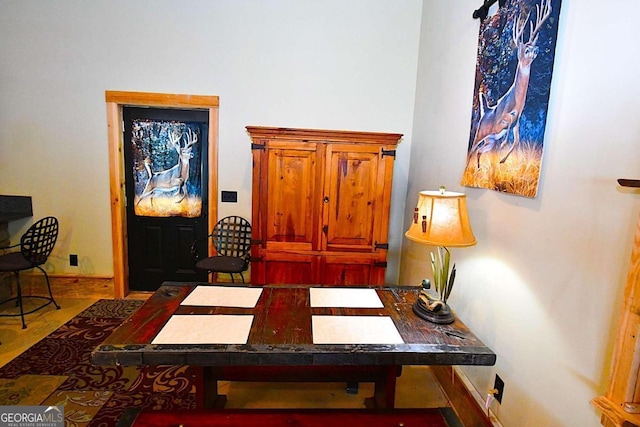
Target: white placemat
205, 329
223, 296
354, 330
345, 297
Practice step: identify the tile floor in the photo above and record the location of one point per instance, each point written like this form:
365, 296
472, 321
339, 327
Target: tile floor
416, 387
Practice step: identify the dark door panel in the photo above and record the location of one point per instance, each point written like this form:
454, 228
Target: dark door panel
166, 186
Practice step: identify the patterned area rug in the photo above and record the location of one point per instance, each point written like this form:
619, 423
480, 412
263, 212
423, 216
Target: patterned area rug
58, 371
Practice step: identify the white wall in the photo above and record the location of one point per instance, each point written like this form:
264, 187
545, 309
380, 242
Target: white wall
543, 286
327, 65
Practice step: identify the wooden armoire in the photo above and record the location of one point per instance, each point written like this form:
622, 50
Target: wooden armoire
321, 200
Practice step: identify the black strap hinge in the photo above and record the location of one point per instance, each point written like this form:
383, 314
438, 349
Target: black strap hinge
257, 242
391, 153
382, 264
255, 146
381, 245
256, 259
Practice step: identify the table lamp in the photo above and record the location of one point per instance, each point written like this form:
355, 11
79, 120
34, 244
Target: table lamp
440, 220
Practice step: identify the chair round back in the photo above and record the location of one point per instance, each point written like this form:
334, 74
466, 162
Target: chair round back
38, 242
232, 237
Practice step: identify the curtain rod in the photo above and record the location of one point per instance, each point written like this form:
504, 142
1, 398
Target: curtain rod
483, 10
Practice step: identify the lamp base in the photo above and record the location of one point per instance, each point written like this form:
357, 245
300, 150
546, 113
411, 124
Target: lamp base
442, 317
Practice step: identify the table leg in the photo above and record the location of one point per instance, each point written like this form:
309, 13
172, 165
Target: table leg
384, 393
199, 385
210, 399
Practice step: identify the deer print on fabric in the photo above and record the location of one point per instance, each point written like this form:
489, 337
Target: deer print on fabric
514, 67
175, 178
497, 121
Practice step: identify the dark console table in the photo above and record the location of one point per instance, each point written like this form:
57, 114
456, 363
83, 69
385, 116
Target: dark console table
12, 208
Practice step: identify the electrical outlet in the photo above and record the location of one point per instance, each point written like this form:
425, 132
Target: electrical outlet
73, 260
499, 386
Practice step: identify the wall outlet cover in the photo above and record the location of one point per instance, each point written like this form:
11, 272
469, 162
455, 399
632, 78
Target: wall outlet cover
229, 196
498, 385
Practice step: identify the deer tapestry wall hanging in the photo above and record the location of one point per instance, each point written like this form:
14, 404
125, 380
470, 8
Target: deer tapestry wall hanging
516, 49
166, 163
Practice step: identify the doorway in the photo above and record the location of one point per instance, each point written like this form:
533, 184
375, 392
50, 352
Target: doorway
116, 102
165, 165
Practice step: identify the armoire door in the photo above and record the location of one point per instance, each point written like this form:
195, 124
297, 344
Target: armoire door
165, 169
353, 193
291, 196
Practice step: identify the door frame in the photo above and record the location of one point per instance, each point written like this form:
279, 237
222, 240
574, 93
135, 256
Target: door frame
115, 100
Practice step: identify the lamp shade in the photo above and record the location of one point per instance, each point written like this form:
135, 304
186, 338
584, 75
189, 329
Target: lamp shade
441, 219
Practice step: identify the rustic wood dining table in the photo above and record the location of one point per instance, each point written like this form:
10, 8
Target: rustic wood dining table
280, 344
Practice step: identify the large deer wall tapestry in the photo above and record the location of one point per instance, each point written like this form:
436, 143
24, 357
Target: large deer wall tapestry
166, 168
516, 50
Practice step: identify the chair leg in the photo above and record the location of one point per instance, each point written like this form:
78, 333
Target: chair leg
49, 288
242, 276
11, 289
19, 300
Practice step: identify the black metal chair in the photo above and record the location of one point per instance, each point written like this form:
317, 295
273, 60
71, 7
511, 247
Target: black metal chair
231, 238
35, 247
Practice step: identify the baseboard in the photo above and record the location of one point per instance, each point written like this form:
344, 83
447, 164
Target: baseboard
73, 285
53, 276
464, 398
79, 276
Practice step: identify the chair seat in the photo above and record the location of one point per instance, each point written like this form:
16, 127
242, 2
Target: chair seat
231, 240
14, 261
222, 264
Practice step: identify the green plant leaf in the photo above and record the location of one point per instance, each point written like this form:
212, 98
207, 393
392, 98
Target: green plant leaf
445, 271
452, 278
436, 273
